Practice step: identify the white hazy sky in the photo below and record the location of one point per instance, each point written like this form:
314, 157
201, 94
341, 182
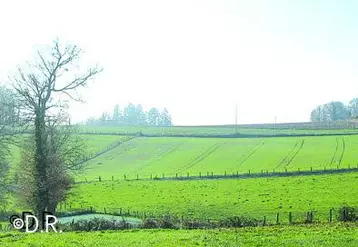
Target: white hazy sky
198, 58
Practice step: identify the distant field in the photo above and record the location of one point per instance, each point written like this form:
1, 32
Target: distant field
171, 156
215, 199
314, 235
218, 130
93, 144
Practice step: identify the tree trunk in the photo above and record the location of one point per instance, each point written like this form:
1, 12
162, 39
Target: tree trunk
40, 163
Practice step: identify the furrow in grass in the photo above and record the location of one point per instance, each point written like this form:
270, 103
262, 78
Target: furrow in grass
299, 149
335, 152
342, 153
203, 155
165, 153
253, 150
288, 154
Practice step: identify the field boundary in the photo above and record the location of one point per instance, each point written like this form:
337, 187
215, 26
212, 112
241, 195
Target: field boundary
329, 214
237, 175
103, 151
238, 135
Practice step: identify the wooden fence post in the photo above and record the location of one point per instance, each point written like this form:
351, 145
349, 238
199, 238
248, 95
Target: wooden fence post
112, 178
290, 217
99, 179
277, 218
199, 174
137, 177
330, 215
125, 177
187, 174
264, 223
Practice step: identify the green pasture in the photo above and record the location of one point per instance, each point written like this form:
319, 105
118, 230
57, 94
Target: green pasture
222, 198
92, 144
171, 156
299, 235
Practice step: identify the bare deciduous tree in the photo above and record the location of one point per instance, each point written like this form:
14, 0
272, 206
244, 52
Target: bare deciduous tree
9, 127
41, 88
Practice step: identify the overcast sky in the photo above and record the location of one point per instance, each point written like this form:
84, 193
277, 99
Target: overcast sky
198, 58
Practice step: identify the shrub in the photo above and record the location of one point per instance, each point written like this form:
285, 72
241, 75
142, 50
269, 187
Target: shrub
238, 221
96, 224
347, 213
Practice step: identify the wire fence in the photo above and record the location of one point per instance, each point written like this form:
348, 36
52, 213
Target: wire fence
327, 215
211, 175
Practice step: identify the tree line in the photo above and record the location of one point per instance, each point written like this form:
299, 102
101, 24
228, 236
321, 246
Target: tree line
133, 115
334, 111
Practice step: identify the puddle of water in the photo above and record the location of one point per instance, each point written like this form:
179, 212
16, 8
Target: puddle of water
68, 219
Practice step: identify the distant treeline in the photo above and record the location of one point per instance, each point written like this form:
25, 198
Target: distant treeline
133, 115
334, 111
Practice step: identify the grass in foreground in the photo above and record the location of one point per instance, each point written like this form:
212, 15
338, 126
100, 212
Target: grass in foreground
301, 235
222, 198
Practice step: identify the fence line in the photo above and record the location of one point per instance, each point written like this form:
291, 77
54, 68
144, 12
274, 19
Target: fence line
105, 150
233, 175
343, 214
329, 215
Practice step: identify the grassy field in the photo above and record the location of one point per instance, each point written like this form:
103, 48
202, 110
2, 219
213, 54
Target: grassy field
313, 235
212, 198
93, 144
169, 156
215, 199
215, 130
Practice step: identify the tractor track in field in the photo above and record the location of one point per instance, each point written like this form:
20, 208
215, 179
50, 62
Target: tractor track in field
106, 150
343, 150
165, 153
335, 152
339, 160
120, 154
291, 154
298, 150
287, 155
202, 156
252, 151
